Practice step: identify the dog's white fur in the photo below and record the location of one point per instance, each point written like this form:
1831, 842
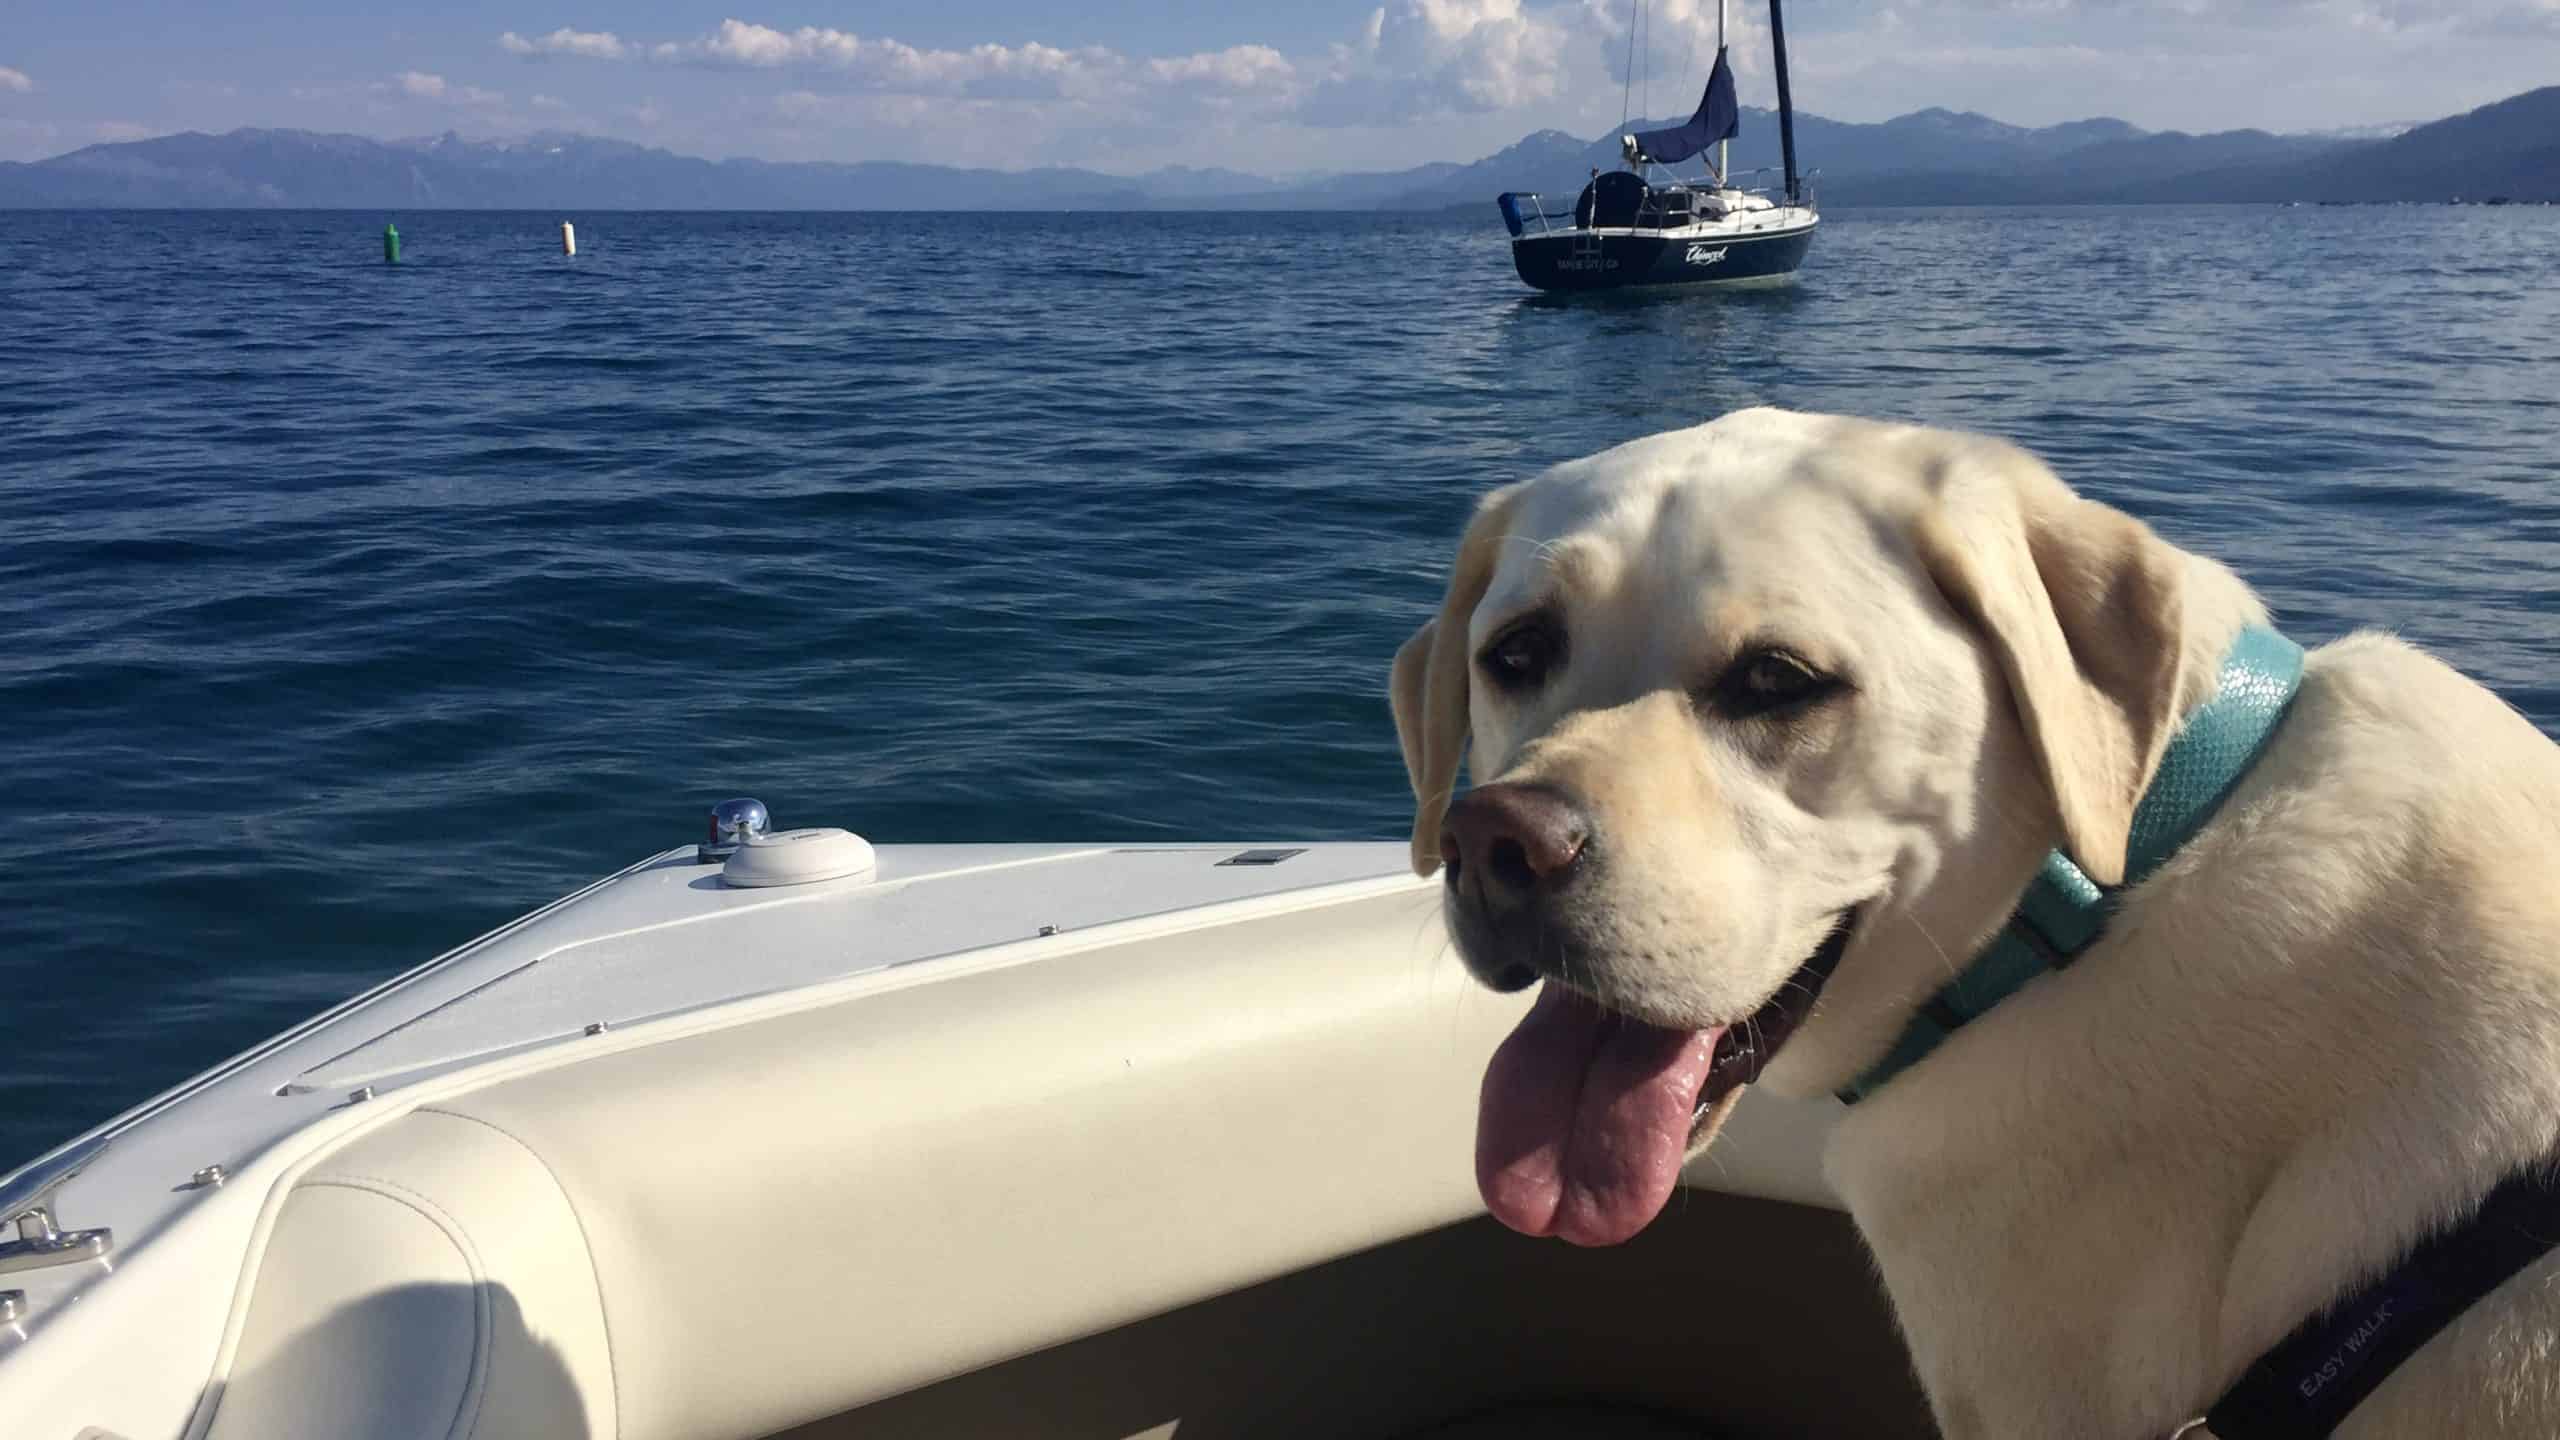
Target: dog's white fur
2330, 1021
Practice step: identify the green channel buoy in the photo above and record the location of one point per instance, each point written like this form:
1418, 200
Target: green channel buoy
390, 244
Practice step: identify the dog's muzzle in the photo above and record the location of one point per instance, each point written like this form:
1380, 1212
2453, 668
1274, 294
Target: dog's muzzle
1511, 850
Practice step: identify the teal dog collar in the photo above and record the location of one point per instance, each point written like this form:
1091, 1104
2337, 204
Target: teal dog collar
2063, 911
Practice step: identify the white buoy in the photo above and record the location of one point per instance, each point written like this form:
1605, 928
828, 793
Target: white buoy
568, 238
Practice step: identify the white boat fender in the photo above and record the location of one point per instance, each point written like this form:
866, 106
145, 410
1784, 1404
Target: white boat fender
799, 857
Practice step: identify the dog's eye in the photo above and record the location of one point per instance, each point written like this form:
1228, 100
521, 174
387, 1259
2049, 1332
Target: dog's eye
1521, 657
1768, 680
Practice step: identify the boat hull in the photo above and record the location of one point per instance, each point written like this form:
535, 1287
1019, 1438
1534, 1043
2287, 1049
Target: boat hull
979, 1108
1583, 260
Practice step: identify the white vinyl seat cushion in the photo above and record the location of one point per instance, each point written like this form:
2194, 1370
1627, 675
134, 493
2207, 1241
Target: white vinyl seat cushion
427, 1283
728, 1231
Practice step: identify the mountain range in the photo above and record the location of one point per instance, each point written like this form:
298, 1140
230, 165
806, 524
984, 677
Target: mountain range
1929, 157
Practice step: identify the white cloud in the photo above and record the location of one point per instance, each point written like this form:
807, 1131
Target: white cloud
1238, 68
15, 80
419, 85
1031, 71
548, 102
1415, 79
740, 43
1426, 57
1409, 58
1407, 63
1028, 71
2487, 17
1678, 45
589, 44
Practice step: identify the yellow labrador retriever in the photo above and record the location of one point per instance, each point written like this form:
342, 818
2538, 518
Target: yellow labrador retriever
1773, 720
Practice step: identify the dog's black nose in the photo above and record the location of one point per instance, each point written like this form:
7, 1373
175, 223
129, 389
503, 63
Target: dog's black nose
1509, 845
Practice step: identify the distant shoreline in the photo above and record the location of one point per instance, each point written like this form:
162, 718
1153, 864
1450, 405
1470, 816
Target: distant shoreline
1930, 159
554, 212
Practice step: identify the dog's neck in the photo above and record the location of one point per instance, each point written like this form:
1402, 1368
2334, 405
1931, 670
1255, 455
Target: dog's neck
2063, 911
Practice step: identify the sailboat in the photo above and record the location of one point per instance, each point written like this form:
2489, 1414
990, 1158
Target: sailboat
1645, 226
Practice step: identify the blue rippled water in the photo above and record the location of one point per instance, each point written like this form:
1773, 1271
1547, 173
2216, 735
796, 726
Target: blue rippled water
346, 611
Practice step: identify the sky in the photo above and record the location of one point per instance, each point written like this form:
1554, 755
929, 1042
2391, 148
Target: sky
1276, 88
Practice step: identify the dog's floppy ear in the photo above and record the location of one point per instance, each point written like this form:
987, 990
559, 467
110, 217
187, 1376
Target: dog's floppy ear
1429, 686
2085, 608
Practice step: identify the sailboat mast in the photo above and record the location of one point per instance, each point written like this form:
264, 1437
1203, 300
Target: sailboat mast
1786, 106
1724, 148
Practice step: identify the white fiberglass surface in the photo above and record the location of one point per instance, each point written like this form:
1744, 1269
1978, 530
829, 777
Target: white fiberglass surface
695, 942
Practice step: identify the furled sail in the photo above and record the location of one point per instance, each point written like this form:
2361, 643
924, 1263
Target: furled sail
1717, 119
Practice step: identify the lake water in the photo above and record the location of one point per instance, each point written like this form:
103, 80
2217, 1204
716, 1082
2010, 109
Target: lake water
347, 611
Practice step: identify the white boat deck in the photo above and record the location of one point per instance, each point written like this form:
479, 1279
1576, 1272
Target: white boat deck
662, 940
586, 991
669, 938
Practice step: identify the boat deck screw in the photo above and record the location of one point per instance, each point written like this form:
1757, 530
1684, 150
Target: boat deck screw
597, 1027
210, 1178
1048, 929
360, 1094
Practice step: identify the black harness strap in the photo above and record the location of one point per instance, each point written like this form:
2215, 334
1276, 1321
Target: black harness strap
2304, 1387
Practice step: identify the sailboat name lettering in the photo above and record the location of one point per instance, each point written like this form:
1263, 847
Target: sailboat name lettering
1701, 255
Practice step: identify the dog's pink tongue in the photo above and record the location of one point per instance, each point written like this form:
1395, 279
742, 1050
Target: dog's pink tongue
1584, 1119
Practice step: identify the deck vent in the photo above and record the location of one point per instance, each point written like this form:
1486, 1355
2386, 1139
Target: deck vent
799, 857
1260, 857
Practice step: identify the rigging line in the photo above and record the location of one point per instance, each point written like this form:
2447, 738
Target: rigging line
1644, 93
1626, 82
1689, 61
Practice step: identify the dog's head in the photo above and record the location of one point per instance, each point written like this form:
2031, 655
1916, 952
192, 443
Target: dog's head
1748, 704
